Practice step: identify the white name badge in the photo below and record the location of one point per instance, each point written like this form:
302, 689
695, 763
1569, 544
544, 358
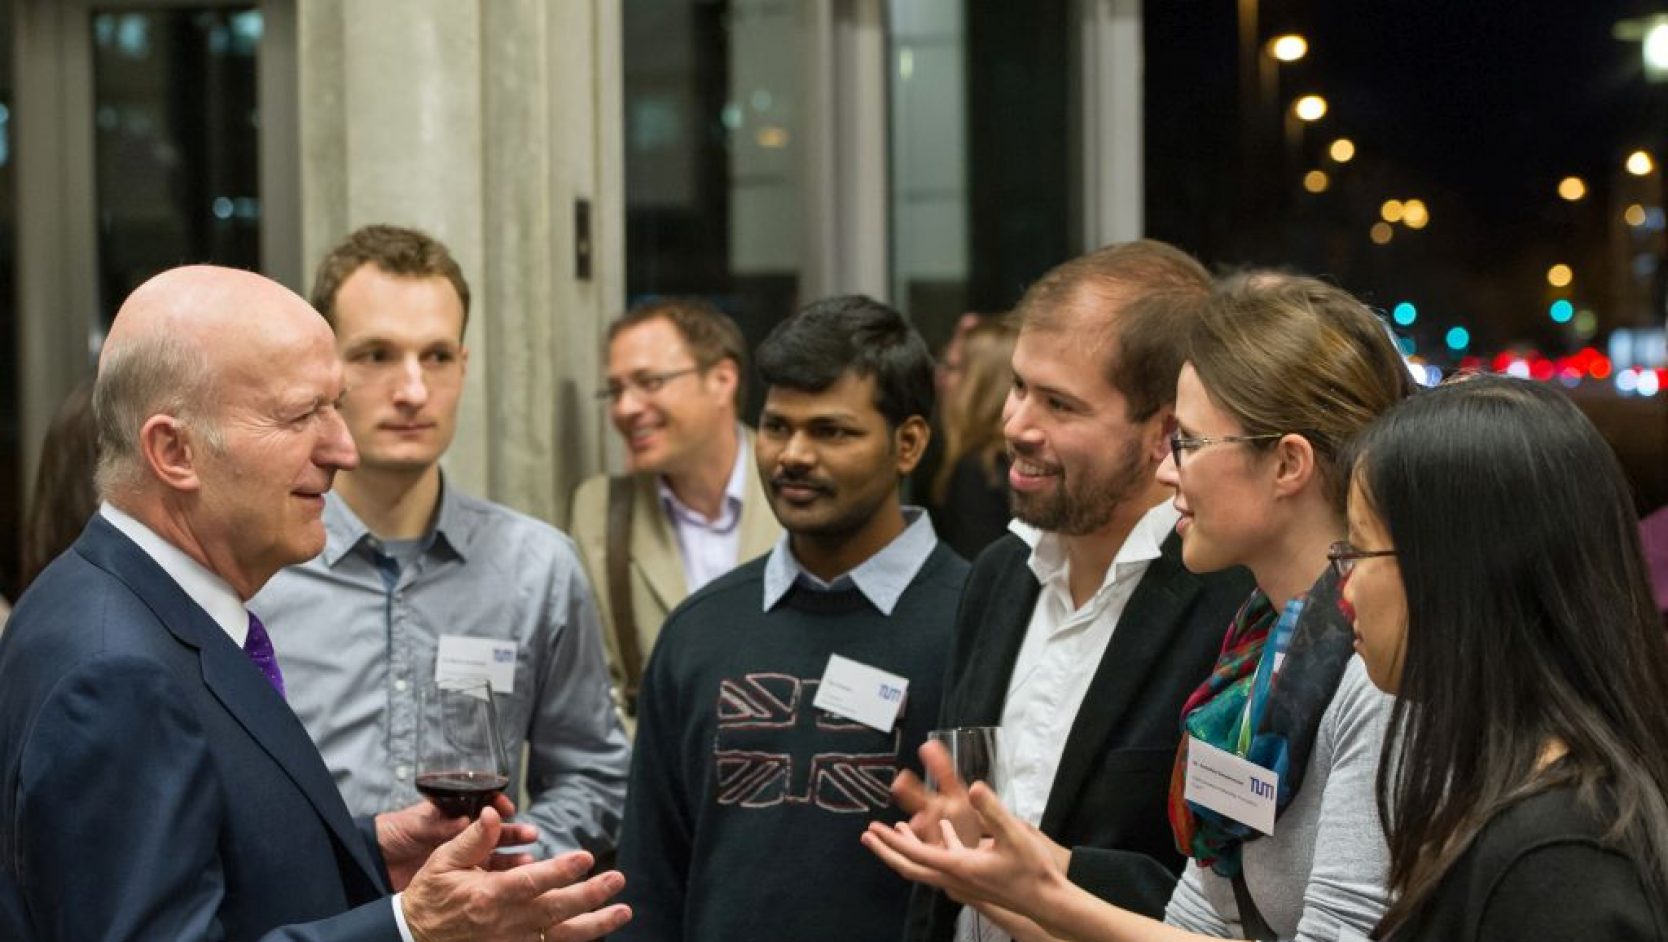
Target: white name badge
861, 693
1231, 786
460, 657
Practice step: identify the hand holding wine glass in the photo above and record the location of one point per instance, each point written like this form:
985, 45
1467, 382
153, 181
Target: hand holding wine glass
974, 756
975, 752
461, 764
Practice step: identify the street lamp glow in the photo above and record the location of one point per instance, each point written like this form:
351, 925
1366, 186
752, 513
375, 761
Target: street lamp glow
1639, 163
1559, 275
1381, 233
1572, 188
1392, 211
1656, 47
1288, 48
1342, 150
1415, 215
1586, 323
1634, 215
1309, 108
1316, 181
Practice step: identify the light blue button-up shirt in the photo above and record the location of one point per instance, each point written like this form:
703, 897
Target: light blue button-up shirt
357, 633
882, 578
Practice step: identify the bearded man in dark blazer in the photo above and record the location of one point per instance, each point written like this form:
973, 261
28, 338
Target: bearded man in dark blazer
1080, 633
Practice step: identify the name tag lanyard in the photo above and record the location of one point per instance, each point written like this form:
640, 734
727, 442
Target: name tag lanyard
1274, 657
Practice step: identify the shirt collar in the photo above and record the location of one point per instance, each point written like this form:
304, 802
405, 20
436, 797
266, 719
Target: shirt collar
734, 492
212, 594
344, 531
1048, 561
882, 578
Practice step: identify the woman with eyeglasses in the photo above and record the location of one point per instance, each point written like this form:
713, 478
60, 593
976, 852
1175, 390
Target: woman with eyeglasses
1282, 372
1500, 592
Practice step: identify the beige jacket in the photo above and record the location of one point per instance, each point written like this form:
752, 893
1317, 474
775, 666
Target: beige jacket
657, 581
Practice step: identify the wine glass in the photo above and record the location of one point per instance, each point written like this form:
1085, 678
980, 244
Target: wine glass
460, 759
976, 752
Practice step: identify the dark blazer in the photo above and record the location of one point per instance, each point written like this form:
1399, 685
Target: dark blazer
1108, 802
152, 784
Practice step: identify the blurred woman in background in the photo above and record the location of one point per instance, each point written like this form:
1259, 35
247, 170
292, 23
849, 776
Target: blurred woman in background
970, 490
65, 496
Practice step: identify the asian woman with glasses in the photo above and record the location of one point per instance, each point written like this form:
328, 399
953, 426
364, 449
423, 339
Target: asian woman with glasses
1500, 592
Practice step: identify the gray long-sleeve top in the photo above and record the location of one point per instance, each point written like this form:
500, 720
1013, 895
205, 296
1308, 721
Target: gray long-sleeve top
1322, 875
357, 634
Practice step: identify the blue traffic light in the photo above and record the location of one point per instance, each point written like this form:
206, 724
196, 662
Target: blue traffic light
1561, 311
1458, 338
1405, 314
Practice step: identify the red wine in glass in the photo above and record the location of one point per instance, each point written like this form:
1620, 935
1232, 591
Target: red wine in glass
461, 792
461, 764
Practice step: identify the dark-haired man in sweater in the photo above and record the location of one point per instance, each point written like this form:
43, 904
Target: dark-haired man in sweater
782, 699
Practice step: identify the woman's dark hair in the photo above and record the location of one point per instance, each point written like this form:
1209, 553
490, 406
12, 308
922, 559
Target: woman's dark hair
972, 411
65, 497
827, 339
1530, 623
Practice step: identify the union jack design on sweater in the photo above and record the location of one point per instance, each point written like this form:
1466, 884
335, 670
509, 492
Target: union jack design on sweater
774, 747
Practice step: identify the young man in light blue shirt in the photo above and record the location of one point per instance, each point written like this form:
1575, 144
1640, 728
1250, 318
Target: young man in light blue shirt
417, 577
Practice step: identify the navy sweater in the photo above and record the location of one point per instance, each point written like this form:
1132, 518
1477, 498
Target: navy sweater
746, 803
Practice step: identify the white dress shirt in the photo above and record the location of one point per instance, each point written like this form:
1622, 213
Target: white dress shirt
709, 547
1062, 650
213, 595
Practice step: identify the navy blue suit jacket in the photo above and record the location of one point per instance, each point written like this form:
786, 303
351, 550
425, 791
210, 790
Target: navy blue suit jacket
152, 784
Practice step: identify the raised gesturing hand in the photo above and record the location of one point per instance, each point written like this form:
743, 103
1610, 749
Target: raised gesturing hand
451, 899
927, 808
1012, 869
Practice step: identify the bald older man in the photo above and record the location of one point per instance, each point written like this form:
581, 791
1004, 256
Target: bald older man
153, 783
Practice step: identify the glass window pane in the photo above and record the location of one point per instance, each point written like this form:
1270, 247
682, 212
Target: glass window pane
715, 155
982, 183
175, 142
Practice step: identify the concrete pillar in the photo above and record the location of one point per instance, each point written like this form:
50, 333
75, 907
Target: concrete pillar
1111, 121
483, 122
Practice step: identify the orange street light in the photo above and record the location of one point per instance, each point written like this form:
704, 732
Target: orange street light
1309, 108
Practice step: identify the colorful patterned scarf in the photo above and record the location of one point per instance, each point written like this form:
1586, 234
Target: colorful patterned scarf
1262, 702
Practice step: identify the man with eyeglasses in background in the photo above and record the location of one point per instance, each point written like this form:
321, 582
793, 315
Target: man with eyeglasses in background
691, 507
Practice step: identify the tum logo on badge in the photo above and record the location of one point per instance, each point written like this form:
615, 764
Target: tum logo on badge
1261, 788
890, 693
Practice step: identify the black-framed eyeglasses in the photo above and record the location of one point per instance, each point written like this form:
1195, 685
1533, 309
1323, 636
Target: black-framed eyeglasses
1343, 556
645, 384
1178, 444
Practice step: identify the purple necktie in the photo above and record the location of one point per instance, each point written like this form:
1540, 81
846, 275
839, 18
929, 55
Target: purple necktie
259, 648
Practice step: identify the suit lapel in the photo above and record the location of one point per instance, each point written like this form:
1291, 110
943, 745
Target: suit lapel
269, 721
1150, 620
991, 662
654, 548
232, 679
